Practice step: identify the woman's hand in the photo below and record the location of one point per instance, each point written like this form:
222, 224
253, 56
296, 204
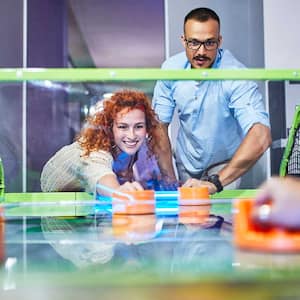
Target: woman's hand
108, 184
130, 187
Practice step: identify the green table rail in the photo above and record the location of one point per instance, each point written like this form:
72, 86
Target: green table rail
142, 74
75, 204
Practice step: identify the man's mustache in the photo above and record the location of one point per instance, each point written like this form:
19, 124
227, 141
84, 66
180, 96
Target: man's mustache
203, 57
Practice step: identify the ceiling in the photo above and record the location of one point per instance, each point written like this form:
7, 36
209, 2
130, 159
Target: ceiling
117, 34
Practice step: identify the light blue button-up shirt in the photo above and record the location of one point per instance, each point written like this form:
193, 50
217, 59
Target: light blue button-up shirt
214, 116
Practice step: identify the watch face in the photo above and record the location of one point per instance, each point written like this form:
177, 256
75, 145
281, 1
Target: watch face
214, 178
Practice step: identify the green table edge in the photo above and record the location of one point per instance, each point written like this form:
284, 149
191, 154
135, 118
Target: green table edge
81, 196
139, 74
73, 203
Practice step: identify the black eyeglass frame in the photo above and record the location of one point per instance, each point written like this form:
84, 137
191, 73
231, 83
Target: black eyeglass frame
215, 42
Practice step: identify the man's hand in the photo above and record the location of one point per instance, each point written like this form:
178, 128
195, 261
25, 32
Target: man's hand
192, 182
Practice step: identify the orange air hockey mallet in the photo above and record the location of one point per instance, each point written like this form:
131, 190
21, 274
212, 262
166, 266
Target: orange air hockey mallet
250, 235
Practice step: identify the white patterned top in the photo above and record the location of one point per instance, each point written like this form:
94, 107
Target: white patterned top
68, 170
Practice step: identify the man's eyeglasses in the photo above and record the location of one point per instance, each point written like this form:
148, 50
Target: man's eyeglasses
208, 44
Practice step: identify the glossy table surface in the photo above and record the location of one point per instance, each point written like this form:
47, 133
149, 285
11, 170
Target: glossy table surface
178, 252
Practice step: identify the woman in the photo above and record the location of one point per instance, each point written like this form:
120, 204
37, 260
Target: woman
106, 151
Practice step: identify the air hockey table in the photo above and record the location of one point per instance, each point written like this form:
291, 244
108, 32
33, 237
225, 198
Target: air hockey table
70, 246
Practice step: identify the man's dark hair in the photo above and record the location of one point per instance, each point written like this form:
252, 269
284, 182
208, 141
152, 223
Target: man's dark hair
201, 14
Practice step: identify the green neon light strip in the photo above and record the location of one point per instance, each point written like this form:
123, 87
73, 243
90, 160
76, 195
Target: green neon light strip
2, 184
88, 74
290, 143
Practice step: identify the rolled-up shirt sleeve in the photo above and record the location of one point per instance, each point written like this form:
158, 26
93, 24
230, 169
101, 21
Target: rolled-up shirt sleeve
247, 105
162, 102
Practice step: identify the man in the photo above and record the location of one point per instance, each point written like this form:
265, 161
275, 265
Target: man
224, 128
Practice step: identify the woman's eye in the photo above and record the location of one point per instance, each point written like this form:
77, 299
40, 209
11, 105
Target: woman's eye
140, 126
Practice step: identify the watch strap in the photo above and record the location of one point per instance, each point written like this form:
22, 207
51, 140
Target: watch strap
214, 178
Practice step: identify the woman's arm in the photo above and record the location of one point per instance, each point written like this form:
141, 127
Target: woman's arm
59, 173
107, 184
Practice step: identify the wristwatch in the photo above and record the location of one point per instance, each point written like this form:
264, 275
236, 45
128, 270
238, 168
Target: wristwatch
214, 178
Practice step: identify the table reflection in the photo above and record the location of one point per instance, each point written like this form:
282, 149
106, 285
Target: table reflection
148, 242
135, 228
194, 214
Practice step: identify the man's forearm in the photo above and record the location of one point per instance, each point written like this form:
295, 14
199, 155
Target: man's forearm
163, 152
252, 148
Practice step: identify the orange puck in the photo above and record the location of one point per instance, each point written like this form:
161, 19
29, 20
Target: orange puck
193, 195
134, 202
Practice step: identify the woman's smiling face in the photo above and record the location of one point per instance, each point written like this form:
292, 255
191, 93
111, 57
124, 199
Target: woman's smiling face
129, 130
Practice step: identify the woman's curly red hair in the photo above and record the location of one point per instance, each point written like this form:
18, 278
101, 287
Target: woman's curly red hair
98, 134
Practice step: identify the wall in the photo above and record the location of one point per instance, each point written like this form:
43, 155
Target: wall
47, 103
22, 148
11, 94
282, 40
282, 44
